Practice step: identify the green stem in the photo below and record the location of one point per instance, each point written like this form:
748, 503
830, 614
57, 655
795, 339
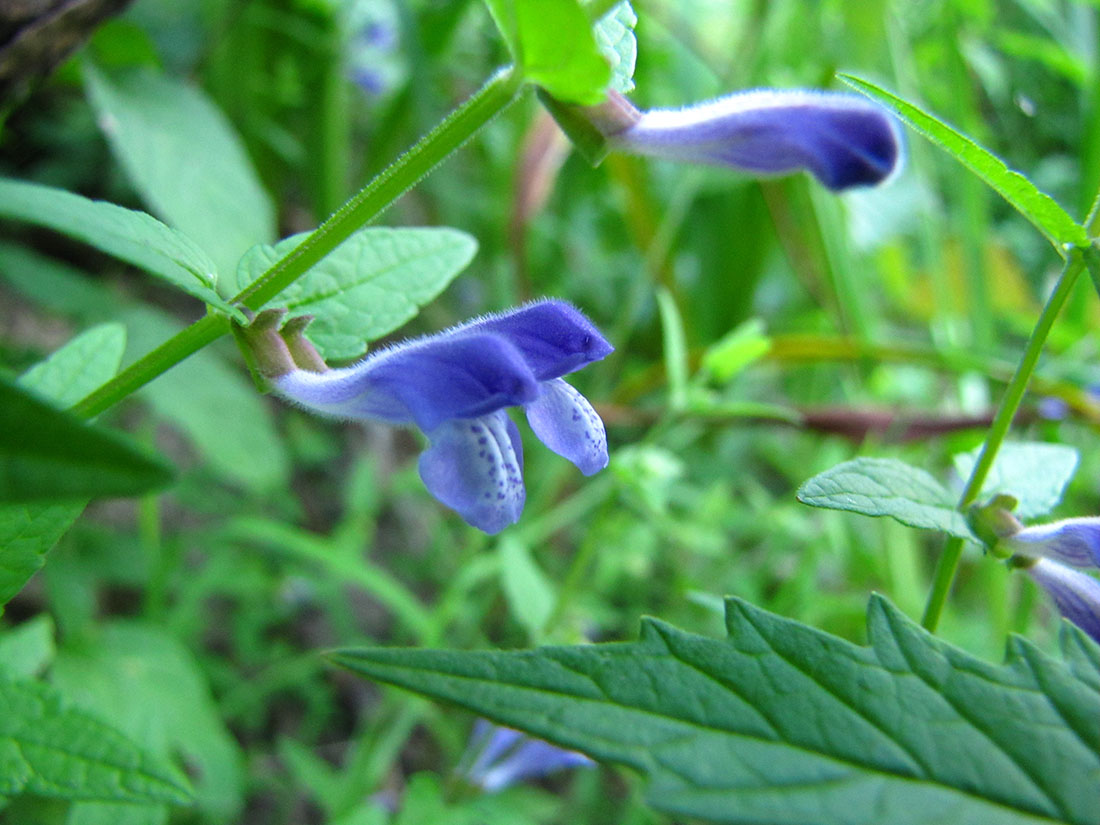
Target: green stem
394, 181
948, 563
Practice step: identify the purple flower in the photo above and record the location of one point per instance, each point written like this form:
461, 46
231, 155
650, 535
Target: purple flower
502, 757
1077, 595
455, 386
842, 139
1072, 541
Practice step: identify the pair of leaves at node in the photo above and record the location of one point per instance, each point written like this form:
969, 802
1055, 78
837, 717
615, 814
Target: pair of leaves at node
1034, 474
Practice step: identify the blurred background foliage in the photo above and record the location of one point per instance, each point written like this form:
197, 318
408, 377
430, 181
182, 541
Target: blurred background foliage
813, 329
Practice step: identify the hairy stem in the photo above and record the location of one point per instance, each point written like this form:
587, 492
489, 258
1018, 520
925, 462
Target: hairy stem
948, 562
394, 181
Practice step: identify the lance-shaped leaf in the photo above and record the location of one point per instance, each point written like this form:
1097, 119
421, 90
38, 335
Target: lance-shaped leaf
782, 723
1040, 209
132, 236
368, 286
46, 453
886, 487
48, 748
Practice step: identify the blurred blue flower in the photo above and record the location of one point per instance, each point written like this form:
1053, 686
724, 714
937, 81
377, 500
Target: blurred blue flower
502, 756
1072, 541
1077, 595
455, 386
842, 139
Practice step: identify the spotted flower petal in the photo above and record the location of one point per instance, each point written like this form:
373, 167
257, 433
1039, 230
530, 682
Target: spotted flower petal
565, 422
1076, 594
842, 139
426, 382
474, 466
1073, 541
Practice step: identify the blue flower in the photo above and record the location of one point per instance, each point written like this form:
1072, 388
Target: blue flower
502, 757
1077, 595
842, 139
456, 386
1072, 541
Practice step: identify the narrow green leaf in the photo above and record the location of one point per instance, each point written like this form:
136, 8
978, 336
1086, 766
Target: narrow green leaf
46, 453
1035, 474
140, 679
1043, 211
127, 234
886, 487
554, 45
27, 532
675, 349
530, 596
48, 748
185, 160
785, 724
617, 43
370, 285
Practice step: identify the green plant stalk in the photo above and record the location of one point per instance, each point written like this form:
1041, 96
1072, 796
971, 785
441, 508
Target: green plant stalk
458, 127
948, 563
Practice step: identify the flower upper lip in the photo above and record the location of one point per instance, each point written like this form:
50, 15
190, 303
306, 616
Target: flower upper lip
455, 386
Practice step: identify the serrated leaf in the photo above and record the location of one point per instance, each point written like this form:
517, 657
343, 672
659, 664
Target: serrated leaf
368, 286
617, 43
127, 234
88, 360
886, 487
49, 454
1035, 474
554, 46
141, 679
785, 724
1040, 209
48, 748
185, 160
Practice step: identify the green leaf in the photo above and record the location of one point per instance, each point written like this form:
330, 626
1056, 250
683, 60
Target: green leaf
185, 160
141, 679
46, 453
617, 43
1039, 208
886, 487
50, 749
1035, 474
116, 813
785, 724
736, 350
530, 596
206, 398
132, 236
27, 649
370, 285
88, 360
27, 532
553, 44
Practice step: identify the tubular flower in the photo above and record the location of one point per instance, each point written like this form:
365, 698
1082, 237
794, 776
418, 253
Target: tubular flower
455, 386
842, 139
502, 757
1072, 541
1077, 595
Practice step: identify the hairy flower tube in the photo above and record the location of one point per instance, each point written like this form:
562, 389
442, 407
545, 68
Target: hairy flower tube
502, 757
1072, 541
1076, 594
842, 139
456, 386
